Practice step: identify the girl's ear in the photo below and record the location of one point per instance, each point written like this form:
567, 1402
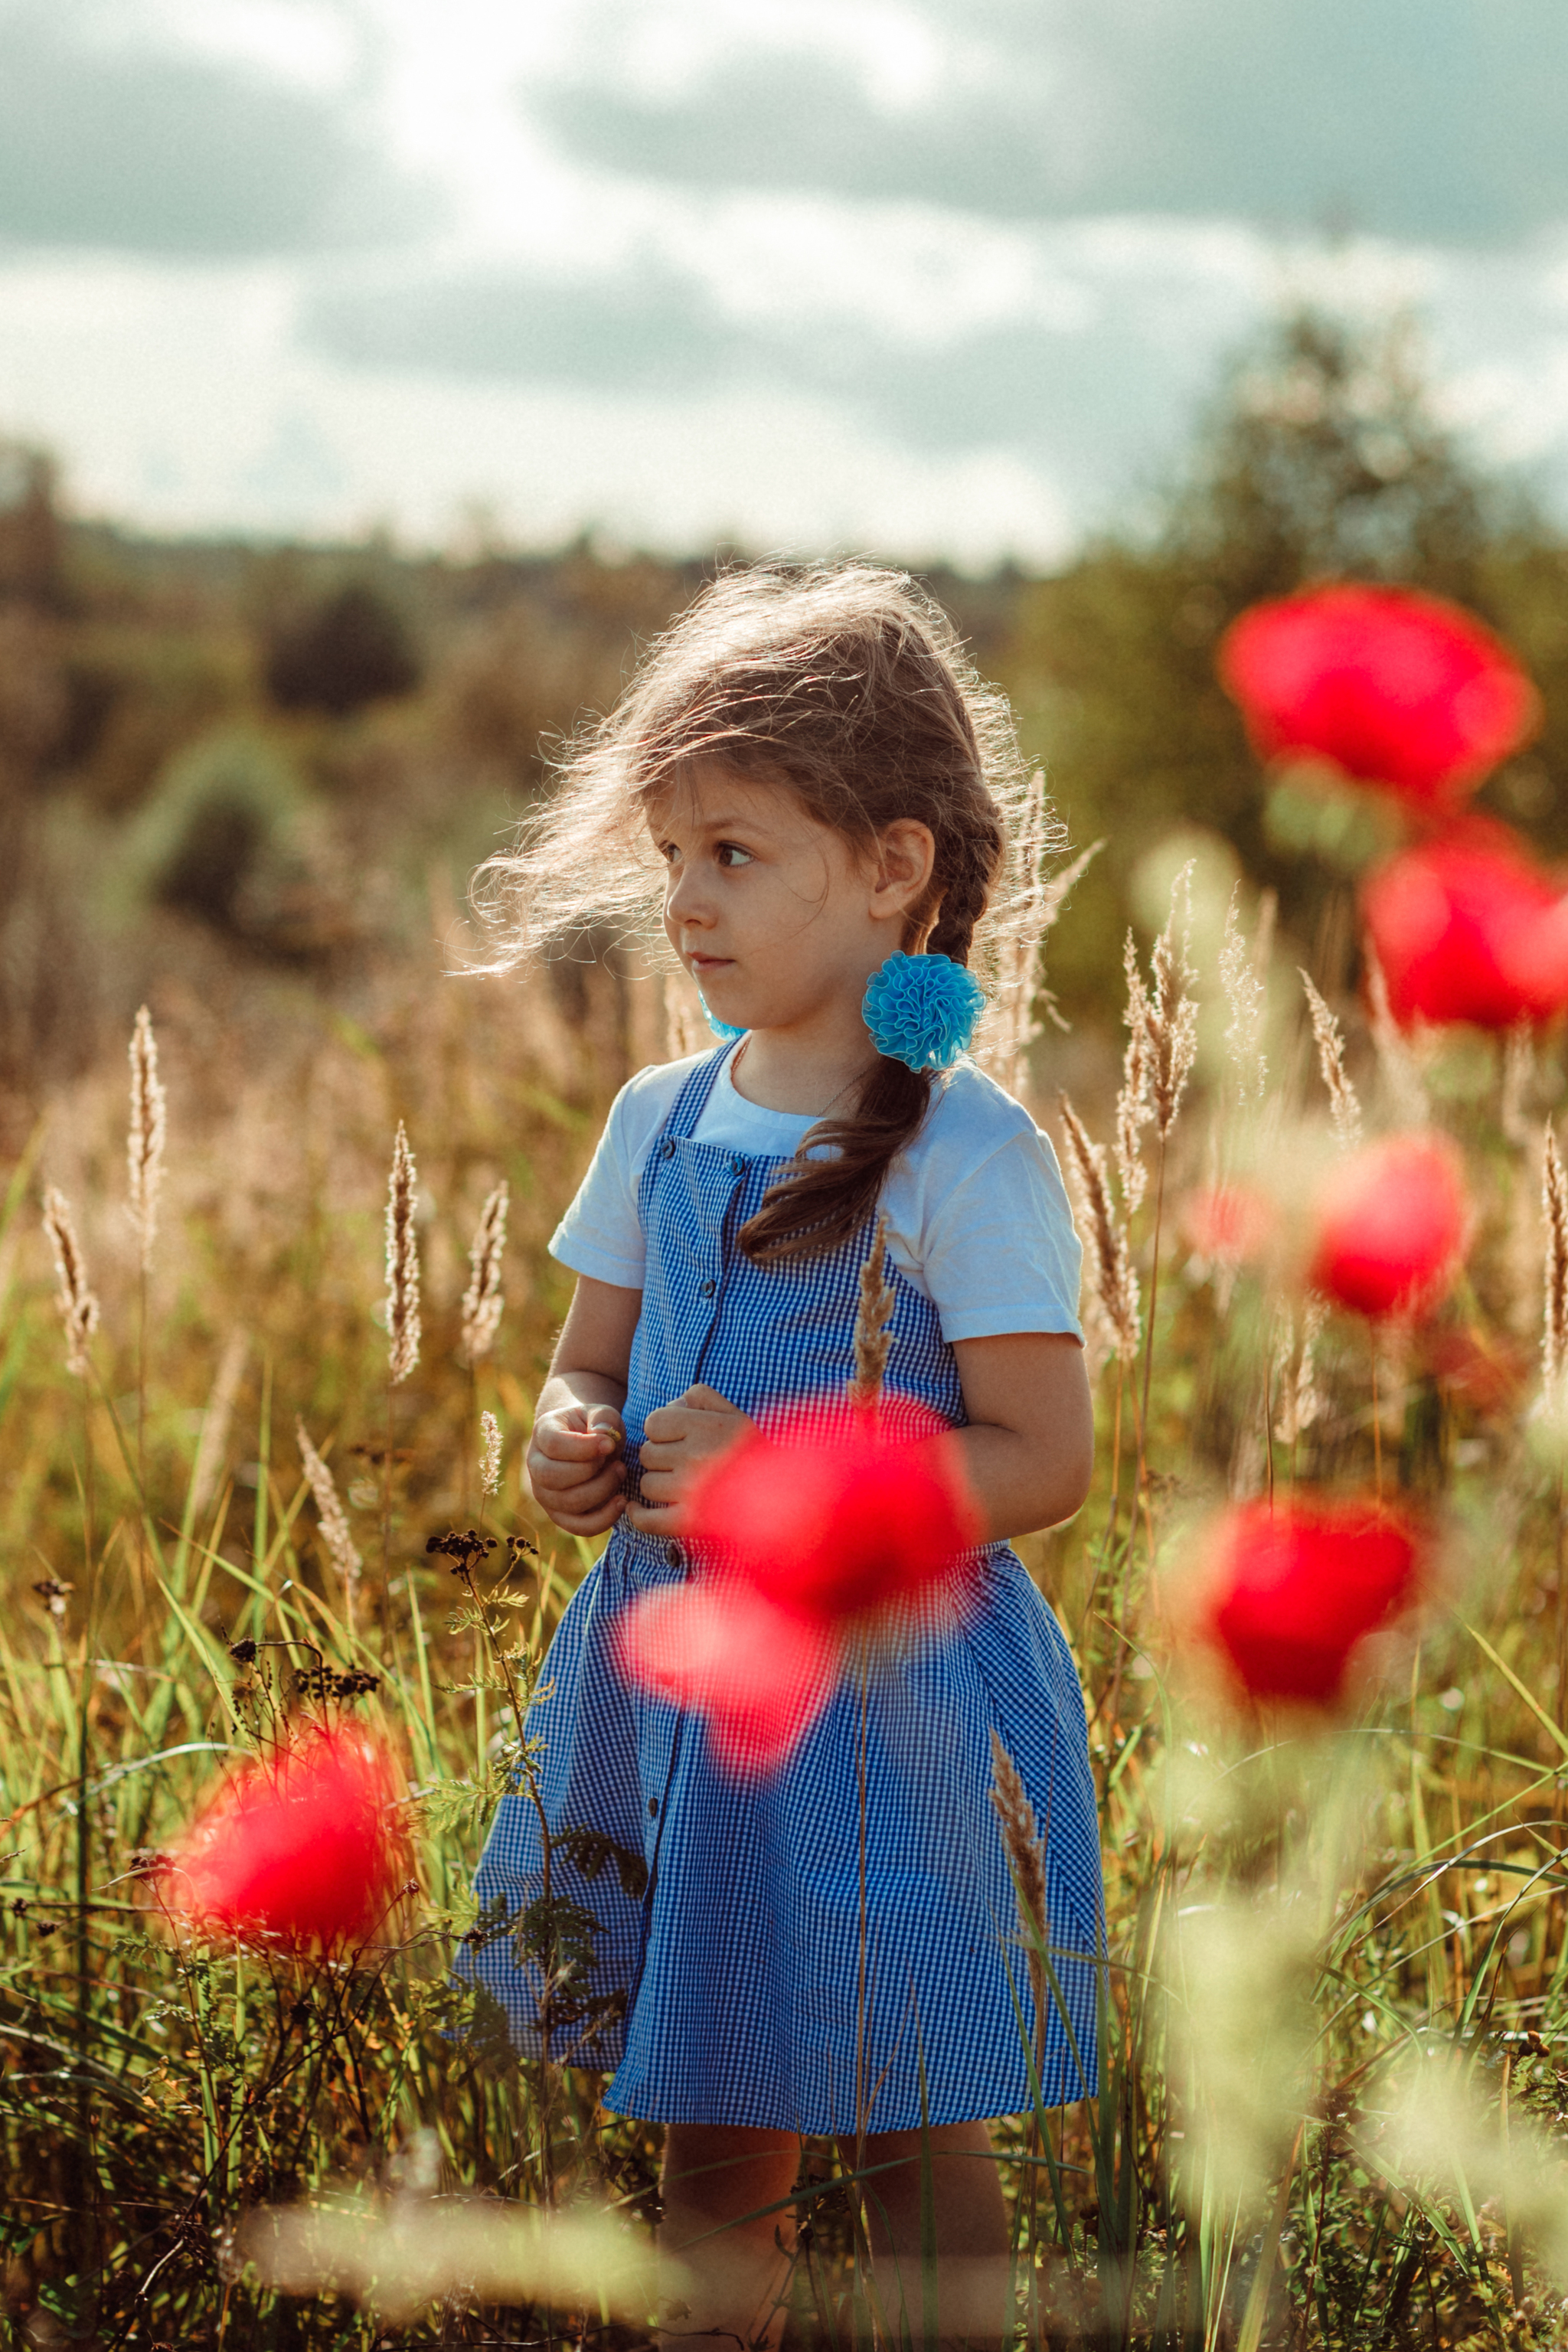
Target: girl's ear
901, 879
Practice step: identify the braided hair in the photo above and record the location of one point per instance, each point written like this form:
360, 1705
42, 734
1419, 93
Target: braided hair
848, 685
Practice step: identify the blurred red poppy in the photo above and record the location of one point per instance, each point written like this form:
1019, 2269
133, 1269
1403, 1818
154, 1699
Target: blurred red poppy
1294, 1588
829, 1522
759, 1677
1390, 686
1469, 930
1390, 1227
302, 1848
1231, 1223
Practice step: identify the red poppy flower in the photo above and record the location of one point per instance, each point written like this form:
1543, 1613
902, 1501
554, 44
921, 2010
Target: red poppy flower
1392, 687
828, 1523
1294, 1588
1469, 930
1390, 1226
302, 1848
757, 1675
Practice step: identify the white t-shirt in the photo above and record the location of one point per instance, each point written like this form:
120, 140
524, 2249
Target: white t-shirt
977, 1215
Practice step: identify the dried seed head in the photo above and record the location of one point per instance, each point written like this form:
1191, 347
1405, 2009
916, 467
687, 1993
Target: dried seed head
1554, 1321
1134, 1108
1111, 1263
1035, 903
144, 1142
78, 1306
1027, 1853
1344, 1108
873, 1322
333, 1518
1295, 1373
484, 1298
1241, 971
1395, 1059
1173, 1016
52, 1591
490, 1459
402, 1261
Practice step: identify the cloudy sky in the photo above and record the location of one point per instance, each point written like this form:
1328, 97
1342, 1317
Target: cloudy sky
938, 277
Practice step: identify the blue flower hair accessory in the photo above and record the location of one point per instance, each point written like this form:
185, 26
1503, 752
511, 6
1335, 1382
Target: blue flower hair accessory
921, 1010
725, 1029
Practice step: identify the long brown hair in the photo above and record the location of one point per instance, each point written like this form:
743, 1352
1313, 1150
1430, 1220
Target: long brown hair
848, 685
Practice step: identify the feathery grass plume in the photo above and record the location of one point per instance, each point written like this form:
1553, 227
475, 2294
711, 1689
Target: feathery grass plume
402, 1261
1241, 971
873, 1321
78, 1304
490, 1459
144, 1141
1298, 1403
335, 1531
1025, 1851
213, 1443
1345, 1108
1111, 1262
1134, 1108
484, 1298
1395, 1058
1173, 1015
1555, 1320
1518, 1085
1036, 903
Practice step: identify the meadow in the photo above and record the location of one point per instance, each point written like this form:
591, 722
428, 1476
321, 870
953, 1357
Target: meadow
1332, 2090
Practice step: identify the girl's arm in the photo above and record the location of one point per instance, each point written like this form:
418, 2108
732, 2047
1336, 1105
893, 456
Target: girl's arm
575, 1467
1028, 1451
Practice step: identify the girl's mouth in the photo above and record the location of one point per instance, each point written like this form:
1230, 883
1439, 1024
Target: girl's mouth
700, 963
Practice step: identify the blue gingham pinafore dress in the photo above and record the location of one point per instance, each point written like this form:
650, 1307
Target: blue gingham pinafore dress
760, 1986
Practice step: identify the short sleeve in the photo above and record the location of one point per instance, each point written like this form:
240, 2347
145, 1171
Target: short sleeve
1000, 1252
601, 1235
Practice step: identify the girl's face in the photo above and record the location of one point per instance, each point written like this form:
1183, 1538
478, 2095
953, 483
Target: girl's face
778, 919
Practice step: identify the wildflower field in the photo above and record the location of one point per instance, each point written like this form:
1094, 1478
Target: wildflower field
264, 1395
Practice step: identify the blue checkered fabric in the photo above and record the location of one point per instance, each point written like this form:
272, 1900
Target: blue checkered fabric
761, 1986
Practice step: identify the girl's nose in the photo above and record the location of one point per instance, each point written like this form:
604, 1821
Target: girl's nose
686, 903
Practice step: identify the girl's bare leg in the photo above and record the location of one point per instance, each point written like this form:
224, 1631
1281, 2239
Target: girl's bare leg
726, 2295
970, 2231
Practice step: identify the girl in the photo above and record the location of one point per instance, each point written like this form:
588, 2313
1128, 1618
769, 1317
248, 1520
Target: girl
808, 766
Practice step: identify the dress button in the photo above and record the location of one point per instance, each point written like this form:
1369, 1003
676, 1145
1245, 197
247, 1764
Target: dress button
674, 1555
708, 1288
737, 1164
653, 1808
669, 1147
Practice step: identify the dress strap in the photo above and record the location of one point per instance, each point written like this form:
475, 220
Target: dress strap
692, 1100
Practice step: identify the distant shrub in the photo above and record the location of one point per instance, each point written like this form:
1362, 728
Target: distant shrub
218, 839
350, 649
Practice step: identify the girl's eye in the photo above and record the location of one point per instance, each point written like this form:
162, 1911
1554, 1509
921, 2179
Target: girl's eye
730, 853
668, 851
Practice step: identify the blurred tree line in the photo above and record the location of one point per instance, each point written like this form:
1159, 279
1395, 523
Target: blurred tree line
231, 761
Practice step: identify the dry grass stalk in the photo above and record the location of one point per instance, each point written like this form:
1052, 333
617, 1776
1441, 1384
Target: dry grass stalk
1344, 1106
78, 1304
1518, 1085
490, 1459
1395, 1058
402, 1261
484, 1298
1295, 1371
873, 1322
1036, 902
1171, 1014
335, 1531
1027, 1853
1555, 1320
1111, 1263
1134, 1108
148, 1129
1241, 971
212, 1444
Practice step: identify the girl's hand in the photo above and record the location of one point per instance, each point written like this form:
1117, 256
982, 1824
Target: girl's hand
575, 1467
679, 1439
